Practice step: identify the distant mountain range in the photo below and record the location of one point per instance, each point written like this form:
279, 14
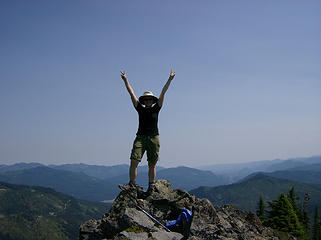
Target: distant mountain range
19, 166
76, 183
99, 183
245, 194
97, 171
181, 177
312, 177
35, 208
188, 178
237, 171
42, 213
101, 172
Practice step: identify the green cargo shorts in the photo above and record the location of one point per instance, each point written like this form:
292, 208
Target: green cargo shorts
143, 143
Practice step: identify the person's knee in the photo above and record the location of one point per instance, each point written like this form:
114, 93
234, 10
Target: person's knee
134, 163
152, 164
152, 158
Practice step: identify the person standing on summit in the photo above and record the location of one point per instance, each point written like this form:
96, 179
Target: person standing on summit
147, 136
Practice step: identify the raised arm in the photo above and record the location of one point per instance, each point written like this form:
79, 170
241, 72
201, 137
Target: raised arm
129, 88
162, 95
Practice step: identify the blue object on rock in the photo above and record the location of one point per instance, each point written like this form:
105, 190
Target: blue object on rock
185, 213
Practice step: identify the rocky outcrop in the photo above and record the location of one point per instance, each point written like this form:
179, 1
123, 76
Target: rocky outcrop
126, 221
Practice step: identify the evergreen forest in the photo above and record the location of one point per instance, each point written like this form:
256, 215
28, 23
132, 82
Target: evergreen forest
289, 214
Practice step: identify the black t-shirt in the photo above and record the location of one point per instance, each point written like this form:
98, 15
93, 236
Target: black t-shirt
148, 119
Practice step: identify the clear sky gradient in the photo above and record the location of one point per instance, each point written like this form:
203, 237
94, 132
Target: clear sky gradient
247, 85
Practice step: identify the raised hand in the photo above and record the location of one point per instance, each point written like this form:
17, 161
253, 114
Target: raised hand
123, 75
172, 74
129, 88
162, 95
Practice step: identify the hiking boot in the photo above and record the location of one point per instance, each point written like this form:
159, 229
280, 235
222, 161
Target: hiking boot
130, 185
152, 188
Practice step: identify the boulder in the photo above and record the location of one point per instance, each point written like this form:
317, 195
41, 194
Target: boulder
126, 221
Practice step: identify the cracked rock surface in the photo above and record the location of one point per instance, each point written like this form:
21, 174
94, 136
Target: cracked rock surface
126, 221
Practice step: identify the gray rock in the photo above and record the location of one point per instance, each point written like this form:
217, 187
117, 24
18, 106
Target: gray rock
90, 230
161, 235
133, 235
140, 219
126, 221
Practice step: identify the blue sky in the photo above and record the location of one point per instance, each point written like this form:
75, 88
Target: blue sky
247, 85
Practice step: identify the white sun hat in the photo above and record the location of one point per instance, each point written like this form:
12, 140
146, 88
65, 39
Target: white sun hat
148, 95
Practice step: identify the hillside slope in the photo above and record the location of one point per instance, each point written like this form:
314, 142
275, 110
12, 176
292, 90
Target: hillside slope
312, 177
42, 213
78, 185
245, 194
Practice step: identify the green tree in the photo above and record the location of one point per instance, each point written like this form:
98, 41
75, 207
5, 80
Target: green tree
283, 217
305, 219
316, 225
301, 210
260, 212
294, 198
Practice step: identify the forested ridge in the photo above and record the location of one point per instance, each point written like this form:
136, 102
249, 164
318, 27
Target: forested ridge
42, 213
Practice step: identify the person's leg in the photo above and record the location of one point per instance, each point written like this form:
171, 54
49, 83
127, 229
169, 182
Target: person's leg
133, 171
135, 157
151, 177
151, 172
152, 158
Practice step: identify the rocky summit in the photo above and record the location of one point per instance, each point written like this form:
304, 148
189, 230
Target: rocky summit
128, 218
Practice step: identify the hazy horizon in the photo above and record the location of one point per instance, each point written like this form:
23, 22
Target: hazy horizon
247, 85
144, 163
